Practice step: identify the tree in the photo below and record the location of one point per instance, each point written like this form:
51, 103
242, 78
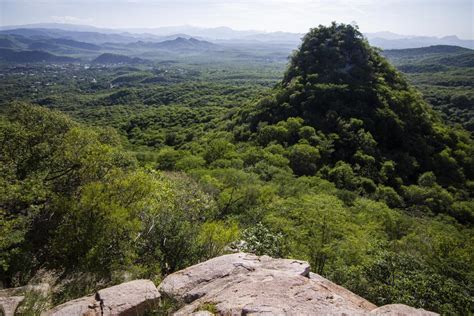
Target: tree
173, 223
313, 226
304, 159
214, 237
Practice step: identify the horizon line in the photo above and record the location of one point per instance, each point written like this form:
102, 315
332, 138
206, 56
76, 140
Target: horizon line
127, 29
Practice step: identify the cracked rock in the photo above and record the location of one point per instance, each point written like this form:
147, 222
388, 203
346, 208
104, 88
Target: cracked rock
245, 284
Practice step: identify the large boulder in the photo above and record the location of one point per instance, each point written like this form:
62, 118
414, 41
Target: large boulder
184, 284
130, 298
244, 284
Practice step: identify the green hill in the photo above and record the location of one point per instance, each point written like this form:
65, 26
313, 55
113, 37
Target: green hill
34, 56
360, 111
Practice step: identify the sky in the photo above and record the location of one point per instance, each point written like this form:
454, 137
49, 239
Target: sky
408, 17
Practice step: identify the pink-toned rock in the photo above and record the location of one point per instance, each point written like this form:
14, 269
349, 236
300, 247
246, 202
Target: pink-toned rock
183, 283
202, 313
342, 291
236, 284
84, 306
243, 284
130, 298
401, 310
8, 305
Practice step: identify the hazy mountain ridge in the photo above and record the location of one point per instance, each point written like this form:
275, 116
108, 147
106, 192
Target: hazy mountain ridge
88, 45
385, 40
33, 56
177, 44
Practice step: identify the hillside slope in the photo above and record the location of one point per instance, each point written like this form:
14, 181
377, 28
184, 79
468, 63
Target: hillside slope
338, 85
34, 56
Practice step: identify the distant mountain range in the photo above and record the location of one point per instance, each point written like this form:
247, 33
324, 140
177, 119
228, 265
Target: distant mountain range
95, 35
70, 43
180, 44
12, 56
53, 45
81, 36
396, 41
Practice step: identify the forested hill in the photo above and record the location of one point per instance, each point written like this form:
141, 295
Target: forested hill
34, 56
347, 95
341, 163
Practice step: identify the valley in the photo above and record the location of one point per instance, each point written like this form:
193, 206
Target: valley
139, 155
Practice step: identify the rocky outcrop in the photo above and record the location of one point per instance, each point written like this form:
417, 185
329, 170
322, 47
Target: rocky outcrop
235, 284
245, 284
189, 284
130, 298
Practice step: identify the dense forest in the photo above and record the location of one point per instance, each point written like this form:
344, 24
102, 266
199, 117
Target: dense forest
115, 172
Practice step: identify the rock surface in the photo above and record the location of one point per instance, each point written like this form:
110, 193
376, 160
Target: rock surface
400, 310
8, 305
81, 306
235, 284
185, 284
130, 298
244, 284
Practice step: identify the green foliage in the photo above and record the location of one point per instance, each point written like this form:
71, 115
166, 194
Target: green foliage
342, 164
209, 307
342, 176
313, 225
34, 303
444, 75
260, 240
304, 159
169, 240
217, 149
214, 237
167, 306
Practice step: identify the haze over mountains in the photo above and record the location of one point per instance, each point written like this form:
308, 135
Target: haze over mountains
91, 34
65, 43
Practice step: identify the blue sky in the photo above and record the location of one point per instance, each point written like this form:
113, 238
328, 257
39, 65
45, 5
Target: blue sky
410, 17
